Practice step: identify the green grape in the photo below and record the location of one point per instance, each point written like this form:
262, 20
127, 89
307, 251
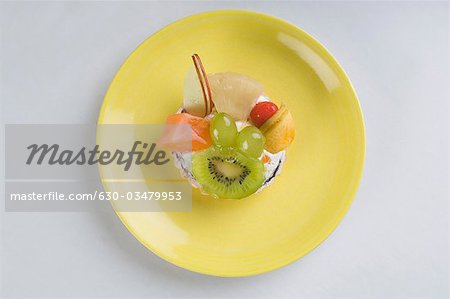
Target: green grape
251, 141
223, 130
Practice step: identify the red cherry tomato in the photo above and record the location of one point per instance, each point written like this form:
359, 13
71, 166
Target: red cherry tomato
262, 112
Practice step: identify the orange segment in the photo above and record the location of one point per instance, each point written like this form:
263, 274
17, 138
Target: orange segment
265, 159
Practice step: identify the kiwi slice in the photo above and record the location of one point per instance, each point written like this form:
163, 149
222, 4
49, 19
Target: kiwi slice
226, 173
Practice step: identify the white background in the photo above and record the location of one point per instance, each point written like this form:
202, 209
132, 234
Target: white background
57, 62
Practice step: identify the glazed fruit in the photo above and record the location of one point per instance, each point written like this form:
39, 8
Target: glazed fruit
234, 94
262, 112
223, 130
197, 93
175, 138
279, 131
226, 173
250, 142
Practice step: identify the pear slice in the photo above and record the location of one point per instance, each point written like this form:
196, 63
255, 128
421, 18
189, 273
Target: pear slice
197, 98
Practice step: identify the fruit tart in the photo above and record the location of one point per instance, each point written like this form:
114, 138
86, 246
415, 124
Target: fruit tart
239, 136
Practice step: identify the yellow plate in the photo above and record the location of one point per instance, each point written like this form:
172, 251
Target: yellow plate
324, 164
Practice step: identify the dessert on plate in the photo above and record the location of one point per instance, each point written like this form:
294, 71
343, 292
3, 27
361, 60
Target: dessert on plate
238, 135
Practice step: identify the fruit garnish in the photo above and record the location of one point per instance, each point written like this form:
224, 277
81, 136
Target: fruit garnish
234, 94
279, 131
197, 93
265, 159
262, 112
175, 138
193, 100
226, 173
223, 130
250, 142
